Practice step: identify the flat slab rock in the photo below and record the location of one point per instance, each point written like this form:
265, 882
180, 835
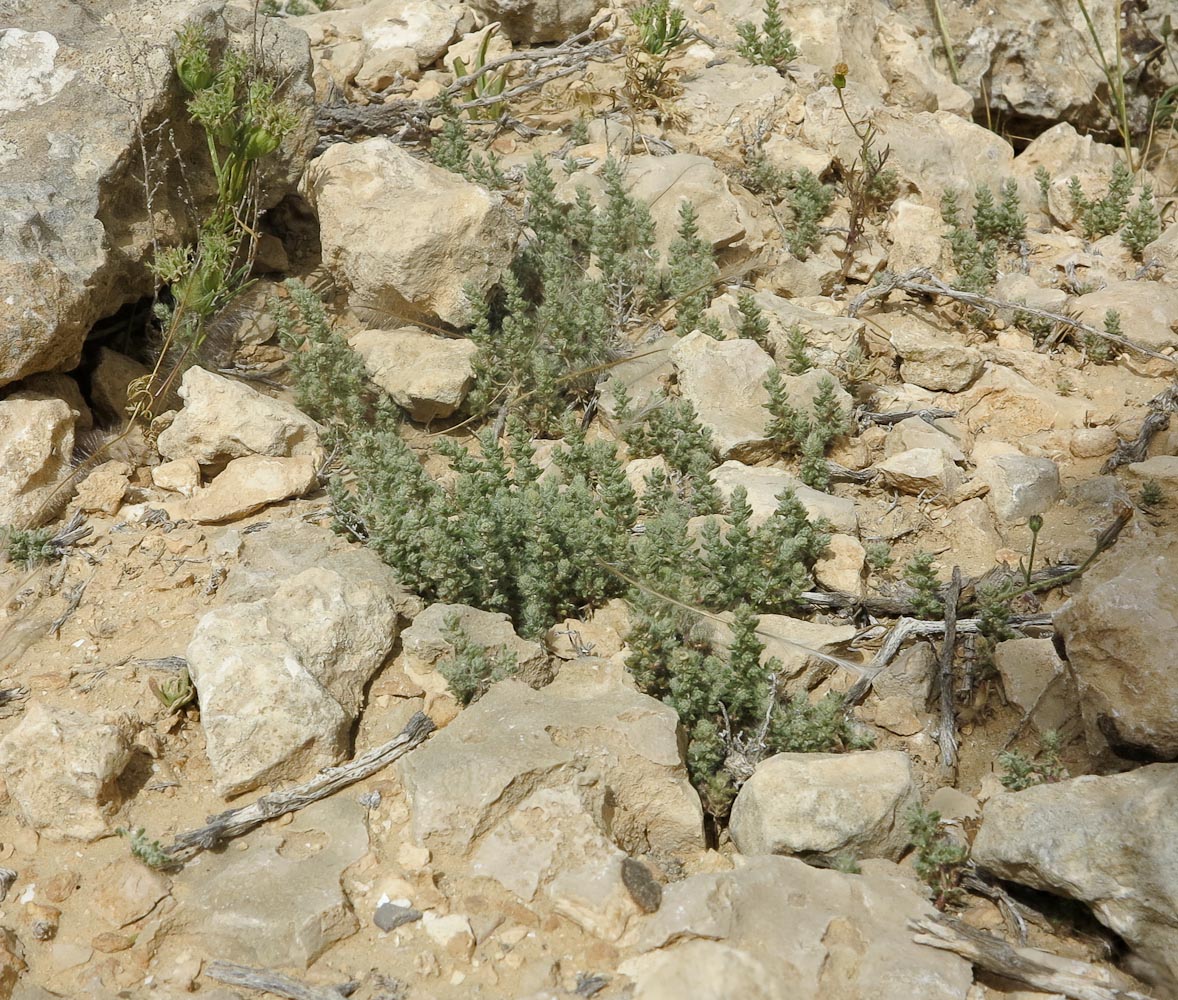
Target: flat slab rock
778, 929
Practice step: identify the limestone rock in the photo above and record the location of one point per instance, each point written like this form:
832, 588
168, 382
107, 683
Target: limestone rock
103, 490
819, 806
1120, 631
916, 232
223, 419
828, 337
531, 21
247, 485
847, 937
1093, 442
913, 432
1019, 486
920, 470
403, 234
181, 475
584, 729
1147, 311
62, 770
665, 182
281, 679
423, 644
930, 359
764, 485
841, 567
77, 236
723, 380
1036, 682
1162, 468
36, 444
280, 903
1107, 841
427, 376
127, 890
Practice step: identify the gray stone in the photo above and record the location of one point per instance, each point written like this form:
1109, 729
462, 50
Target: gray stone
279, 903
721, 935
36, 445
62, 770
1109, 842
223, 419
819, 806
281, 679
1035, 680
929, 356
415, 237
724, 381
764, 485
390, 916
78, 96
921, 470
426, 375
531, 21
1120, 630
1019, 485
584, 729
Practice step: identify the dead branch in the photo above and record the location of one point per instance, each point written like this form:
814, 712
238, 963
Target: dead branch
928, 415
402, 121
572, 48
1039, 969
235, 822
922, 281
947, 731
273, 982
912, 628
1156, 420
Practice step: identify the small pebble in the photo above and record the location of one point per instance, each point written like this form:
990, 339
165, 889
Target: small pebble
390, 916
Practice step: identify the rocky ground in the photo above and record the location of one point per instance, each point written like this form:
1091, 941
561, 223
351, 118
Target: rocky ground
194, 633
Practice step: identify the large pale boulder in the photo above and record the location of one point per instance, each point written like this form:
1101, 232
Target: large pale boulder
588, 729
1120, 631
929, 357
724, 381
1110, 842
1148, 311
62, 770
764, 484
223, 419
665, 182
281, 679
405, 235
36, 445
1019, 485
778, 929
828, 337
820, 806
78, 94
247, 485
426, 375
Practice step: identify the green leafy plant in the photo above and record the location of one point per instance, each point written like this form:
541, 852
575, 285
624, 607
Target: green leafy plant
797, 351
451, 150
922, 581
769, 45
486, 85
809, 200
29, 547
752, 325
1003, 221
1152, 495
878, 555
691, 271
671, 428
1104, 215
1096, 348
150, 852
175, 695
1043, 179
939, 860
1142, 224
471, 668
661, 29
975, 260
868, 183
812, 433
1045, 767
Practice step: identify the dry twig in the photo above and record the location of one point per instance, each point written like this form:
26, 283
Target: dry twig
235, 822
273, 982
